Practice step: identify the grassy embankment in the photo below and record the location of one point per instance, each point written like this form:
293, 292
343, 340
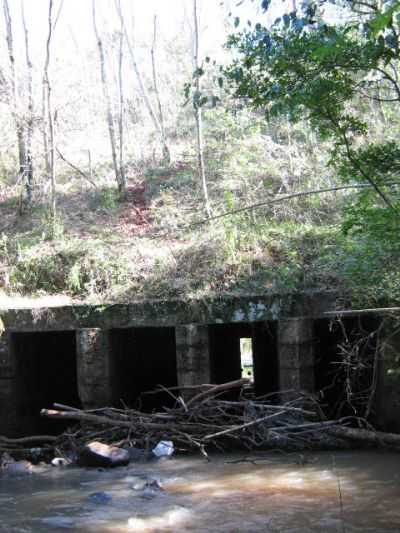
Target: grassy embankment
153, 246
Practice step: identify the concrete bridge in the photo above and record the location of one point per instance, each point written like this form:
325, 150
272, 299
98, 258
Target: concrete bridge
96, 356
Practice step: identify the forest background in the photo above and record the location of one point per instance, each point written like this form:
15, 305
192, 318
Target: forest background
179, 149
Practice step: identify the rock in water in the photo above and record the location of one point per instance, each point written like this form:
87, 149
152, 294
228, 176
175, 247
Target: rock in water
149, 488
100, 498
97, 454
18, 468
11, 467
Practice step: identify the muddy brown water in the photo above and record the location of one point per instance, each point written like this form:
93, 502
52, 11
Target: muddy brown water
333, 492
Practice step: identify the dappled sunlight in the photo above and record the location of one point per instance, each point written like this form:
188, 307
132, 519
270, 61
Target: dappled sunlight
225, 494
307, 482
170, 519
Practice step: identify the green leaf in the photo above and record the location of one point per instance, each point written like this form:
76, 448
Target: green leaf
198, 72
382, 20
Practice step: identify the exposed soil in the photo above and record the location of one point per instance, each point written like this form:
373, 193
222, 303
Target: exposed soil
134, 214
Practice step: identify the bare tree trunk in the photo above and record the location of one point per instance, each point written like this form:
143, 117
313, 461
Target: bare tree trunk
50, 121
289, 145
18, 121
142, 87
29, 124
198, 114
121, 106
110, 118
90, 165
46, 155
166, 152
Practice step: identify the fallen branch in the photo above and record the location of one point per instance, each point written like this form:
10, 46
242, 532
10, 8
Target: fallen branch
218, 388
243, 426
28, 440
77, 169
206, 421
283, 198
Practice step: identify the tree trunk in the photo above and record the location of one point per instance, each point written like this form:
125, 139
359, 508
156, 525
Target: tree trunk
198, 114
121, 107
166, 152
24, 176
45, 130
142, 88
50, 121
109, 114
29, 124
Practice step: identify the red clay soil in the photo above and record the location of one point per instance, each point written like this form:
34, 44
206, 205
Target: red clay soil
134, 215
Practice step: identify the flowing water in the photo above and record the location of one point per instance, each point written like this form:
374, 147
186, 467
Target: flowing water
323, 492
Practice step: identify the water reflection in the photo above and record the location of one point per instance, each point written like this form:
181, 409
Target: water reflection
268, 493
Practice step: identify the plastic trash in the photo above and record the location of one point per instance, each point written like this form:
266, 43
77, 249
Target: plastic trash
59, 461
165, 448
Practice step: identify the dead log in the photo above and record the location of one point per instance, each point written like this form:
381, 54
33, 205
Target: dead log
375, 438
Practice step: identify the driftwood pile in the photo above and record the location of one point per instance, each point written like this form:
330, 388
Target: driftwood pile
206, 421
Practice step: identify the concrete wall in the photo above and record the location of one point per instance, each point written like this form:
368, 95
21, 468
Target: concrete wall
283, 353
203, 355
164, 313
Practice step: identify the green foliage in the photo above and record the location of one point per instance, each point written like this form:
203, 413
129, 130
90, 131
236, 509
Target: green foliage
52, 230
300, 68
329, 73
73, 268
108, 198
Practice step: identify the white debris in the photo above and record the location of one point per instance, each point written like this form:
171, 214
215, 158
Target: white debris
164, 448
59, 461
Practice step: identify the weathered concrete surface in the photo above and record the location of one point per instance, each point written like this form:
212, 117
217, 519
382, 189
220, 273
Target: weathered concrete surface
192, 356
94, 366
296, 354
387, 414
161, 313
8, 408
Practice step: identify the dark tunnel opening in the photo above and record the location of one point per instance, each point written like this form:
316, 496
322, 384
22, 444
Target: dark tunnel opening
345, 352
229, 362
144, 358
46, 373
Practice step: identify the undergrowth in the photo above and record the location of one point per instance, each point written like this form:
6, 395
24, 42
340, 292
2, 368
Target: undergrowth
158, 244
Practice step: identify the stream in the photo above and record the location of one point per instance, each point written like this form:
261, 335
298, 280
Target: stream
357, 491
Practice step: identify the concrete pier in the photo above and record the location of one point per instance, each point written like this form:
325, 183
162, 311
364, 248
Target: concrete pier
296, 354
192, 356
94, 366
